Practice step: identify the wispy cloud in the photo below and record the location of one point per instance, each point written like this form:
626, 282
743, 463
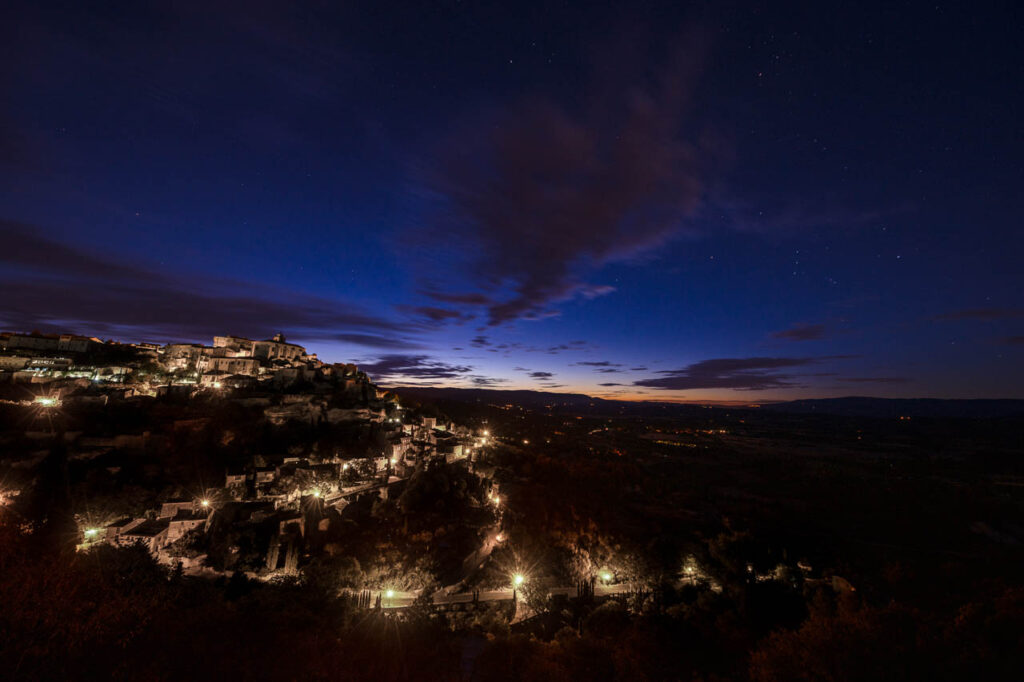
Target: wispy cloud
395, 367
541, 194
62, 287
751, 374
801, 332
374, 341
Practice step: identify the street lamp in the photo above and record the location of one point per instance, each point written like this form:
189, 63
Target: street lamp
517, 579
606, 576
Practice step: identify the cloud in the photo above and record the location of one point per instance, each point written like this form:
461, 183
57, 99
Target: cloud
62, 287
601, 363
399, 366
541, 375
875, 380
801, 332
984, 314
610, 384
541, 195
562, 347
373, 341
477, 380
752, 374
479, 342
637, 369
436, 315
462, 299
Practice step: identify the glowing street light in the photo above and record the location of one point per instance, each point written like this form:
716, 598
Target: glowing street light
45, 401
91, 533
390, 594
486, 433
316, 493
204, 504
606, 576
518, 579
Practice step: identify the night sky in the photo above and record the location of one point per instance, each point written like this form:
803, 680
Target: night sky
727, 201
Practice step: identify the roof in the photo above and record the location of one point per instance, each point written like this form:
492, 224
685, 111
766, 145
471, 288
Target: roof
149, 529
190, 515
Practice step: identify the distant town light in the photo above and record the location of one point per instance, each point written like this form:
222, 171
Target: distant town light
344, 467
216, 384
486, 433
526, 442
394, 460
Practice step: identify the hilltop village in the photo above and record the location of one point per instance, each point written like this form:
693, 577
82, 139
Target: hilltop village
156, 500
342, 441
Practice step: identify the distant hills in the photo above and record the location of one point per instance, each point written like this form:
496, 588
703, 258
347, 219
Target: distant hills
849, 407
524, 398
901, 407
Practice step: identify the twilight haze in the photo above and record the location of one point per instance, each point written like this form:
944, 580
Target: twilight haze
678, 202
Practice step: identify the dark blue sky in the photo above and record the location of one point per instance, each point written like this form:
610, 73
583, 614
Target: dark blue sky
732, 201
